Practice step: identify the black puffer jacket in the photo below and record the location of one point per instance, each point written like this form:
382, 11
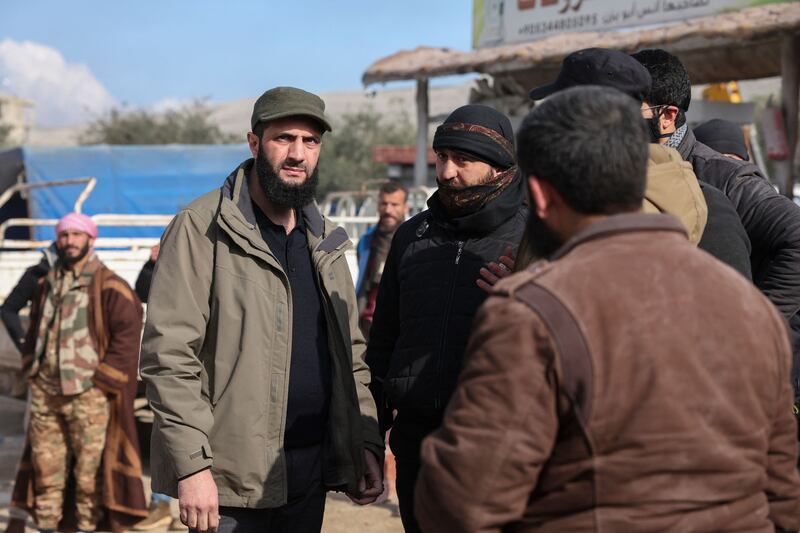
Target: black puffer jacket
428, 297
771, 220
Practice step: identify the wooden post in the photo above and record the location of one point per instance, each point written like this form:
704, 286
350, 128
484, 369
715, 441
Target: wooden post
790, 99
421, 159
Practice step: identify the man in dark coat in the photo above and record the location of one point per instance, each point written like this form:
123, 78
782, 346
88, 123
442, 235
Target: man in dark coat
430, 291
771, 220
23, 294
145, 276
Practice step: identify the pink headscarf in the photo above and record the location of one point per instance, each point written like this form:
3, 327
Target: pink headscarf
77, 222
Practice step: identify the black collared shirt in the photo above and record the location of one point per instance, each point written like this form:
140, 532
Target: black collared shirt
310, 368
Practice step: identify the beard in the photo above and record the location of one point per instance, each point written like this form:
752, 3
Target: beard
283, 193
542, 241
464, 200
388, 223
71, 260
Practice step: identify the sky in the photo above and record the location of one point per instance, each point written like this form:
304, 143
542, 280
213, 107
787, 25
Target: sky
77, 59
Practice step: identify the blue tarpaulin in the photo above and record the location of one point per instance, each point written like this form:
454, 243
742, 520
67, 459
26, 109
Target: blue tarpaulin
157, 180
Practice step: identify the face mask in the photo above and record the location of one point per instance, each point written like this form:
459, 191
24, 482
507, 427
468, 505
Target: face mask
654, 127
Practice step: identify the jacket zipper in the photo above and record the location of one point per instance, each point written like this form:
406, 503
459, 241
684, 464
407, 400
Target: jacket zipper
437, 399
332, 324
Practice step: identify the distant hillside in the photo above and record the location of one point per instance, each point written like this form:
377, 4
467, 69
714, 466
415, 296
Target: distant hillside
234, 116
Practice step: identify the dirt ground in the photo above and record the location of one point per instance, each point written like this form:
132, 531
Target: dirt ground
341, 515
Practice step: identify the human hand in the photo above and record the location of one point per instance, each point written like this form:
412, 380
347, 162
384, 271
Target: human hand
370, 486
198, 502
495, 271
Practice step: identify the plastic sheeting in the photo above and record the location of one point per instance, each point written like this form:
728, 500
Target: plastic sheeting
157, 180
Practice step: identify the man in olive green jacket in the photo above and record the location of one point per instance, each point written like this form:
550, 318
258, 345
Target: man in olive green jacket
252, 352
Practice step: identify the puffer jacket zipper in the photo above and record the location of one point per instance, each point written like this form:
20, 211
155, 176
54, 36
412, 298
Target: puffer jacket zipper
437, 399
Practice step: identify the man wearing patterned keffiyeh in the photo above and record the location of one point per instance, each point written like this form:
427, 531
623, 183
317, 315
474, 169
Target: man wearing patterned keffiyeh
439, 264
474, 158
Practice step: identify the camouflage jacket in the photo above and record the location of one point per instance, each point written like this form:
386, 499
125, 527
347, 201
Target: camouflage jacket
109, 322
65, 355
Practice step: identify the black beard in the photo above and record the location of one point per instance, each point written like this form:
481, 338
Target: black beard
543, 241
66, 260
282, 193
386, 227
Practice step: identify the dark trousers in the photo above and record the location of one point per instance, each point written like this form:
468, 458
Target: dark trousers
405, 439
303, 510
407, 470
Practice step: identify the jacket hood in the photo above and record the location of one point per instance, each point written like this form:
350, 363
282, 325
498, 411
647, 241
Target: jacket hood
673, 188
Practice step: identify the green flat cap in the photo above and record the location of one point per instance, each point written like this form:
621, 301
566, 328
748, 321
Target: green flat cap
282, 102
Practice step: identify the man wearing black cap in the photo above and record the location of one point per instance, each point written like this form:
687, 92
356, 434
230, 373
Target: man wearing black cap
771, 220
428, 293
252, 352
671, 185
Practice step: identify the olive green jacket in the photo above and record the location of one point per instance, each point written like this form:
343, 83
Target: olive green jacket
217, 346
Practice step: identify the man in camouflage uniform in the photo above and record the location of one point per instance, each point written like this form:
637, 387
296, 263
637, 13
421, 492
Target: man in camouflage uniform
69, 412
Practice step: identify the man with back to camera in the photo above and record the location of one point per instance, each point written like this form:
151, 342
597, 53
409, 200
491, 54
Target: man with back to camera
598, 392
252, 352
432, 282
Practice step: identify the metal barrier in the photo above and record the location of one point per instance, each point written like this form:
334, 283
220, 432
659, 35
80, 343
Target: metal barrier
103, 219
356, 211
24, 187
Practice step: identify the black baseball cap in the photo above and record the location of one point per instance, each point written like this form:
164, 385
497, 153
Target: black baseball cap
600, 66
